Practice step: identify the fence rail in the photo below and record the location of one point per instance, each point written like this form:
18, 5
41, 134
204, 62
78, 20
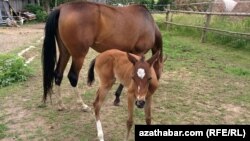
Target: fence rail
212, 29
205, 27
209, 13
202, 3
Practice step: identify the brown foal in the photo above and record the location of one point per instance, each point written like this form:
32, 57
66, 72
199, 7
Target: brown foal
136, 74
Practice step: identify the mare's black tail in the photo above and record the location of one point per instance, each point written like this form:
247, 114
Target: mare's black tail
49, 52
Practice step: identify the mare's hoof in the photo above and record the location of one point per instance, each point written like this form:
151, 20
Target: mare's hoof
117, 102
86, 109
61, 108
43, 105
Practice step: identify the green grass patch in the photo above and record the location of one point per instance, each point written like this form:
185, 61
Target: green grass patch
3, 128
237, 71
12, 69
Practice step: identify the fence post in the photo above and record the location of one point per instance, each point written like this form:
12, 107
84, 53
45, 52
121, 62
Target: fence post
167, 15
206, 23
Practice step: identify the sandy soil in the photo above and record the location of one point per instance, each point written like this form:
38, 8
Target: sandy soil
15, 37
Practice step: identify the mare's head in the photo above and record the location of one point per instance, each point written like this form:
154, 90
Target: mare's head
142, 76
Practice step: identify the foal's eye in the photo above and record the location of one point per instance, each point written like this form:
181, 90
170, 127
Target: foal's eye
149, 78
133, 77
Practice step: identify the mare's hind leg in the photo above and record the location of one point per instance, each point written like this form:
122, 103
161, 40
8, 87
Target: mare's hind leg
158, 65
62, 62
117, 95
73, 78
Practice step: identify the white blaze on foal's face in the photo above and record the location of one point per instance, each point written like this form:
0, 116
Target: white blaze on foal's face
141, 73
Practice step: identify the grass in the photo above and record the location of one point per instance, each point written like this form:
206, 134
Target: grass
3, 129
202, 84
237, 71
12, 69
222, 23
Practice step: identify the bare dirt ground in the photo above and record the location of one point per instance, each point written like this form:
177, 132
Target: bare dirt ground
14, 37
17, 39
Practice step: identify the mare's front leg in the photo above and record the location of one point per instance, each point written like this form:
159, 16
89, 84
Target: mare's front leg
61, 106
131, 101
73, 78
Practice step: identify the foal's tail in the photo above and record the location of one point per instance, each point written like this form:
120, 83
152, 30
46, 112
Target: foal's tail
49, 52
91, 73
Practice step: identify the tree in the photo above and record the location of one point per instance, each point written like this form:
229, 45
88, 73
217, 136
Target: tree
38, 2
46, 5
161, 4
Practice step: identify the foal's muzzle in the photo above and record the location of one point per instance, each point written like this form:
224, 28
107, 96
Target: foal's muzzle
140, 103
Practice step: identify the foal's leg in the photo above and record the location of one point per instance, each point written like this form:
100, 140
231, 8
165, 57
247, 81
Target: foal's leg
147, 110
62, 62
118, 94
130, 121
100, 96
73, 78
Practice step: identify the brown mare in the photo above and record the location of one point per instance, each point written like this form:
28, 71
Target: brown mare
132, 71
78, 26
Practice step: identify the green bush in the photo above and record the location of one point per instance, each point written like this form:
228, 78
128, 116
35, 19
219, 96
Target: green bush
33, 8
162, 2
41, 15
12, 69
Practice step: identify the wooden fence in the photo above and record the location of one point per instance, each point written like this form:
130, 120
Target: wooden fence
205, 28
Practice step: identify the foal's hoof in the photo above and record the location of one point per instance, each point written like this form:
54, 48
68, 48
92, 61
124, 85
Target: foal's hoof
117, 102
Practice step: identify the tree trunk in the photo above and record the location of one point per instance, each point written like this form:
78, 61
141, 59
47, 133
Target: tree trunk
46, 5
38, 2
55, 3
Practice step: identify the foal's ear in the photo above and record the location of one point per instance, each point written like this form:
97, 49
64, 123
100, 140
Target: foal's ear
142, 58
154, 58
132, 59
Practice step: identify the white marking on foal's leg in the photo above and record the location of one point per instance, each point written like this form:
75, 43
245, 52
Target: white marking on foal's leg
99, 130
59, 97
85, 107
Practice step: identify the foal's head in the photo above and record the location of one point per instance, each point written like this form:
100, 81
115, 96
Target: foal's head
142, 76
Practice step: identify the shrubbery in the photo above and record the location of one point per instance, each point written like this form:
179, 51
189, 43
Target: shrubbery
12, 69
41, 15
